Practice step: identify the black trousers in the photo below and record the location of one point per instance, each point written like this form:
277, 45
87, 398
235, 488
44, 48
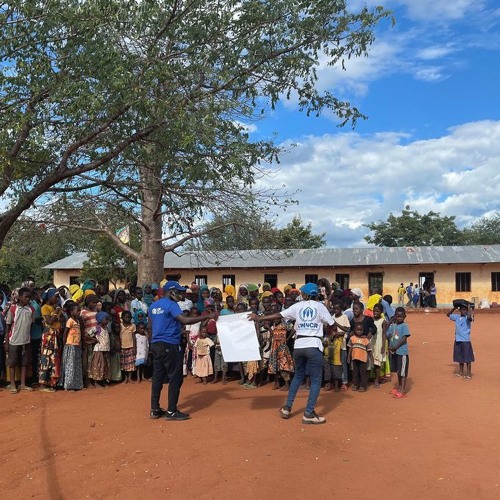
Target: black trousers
359, 374
167, 363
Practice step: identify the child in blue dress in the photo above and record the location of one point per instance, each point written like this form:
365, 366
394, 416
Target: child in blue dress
463, 354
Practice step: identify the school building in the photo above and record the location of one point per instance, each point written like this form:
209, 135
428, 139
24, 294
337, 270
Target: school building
468, 272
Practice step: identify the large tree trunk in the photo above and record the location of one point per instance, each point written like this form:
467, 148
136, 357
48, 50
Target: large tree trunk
150, 260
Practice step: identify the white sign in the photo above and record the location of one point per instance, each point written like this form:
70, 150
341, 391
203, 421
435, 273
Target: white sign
238, 338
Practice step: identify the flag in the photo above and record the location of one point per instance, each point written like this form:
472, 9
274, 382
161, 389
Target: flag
124, 234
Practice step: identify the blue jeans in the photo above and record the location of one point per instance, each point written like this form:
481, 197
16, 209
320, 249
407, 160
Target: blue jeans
345, 367
310, 361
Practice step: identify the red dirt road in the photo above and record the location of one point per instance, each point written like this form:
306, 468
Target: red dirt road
441, 442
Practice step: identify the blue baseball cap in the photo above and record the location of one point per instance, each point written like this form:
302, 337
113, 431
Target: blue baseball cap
309, 289
173, 285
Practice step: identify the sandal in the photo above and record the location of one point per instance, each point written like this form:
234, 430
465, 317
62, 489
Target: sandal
394, 391
399, 395
343, 388
13, 390
26, 388
467, 377
457, 375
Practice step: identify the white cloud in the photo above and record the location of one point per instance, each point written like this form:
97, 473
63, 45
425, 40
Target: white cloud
435, 52
347, 180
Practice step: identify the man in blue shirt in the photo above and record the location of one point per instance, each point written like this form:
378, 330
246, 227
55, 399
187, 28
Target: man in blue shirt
165, 332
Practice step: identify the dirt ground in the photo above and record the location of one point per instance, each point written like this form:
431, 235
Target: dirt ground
441, 442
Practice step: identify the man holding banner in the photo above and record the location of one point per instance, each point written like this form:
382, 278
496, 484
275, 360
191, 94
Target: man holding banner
309, 316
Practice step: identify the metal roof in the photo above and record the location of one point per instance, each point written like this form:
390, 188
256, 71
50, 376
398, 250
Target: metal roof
318, 257
74, 261
338, 257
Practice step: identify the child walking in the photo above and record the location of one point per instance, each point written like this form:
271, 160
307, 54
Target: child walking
204, 367
141, 350
127, 341
463, 354
72, 362
360, 352
398, 333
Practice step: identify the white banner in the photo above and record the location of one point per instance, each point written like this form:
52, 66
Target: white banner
238, 338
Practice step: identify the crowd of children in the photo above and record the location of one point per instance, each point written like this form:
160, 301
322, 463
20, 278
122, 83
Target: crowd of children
81, 336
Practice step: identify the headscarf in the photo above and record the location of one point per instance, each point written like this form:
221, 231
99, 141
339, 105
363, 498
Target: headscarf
230, 291
275, 290
27, 284
76, 293
209, 302
286, 289
252, 287
148, 297
225, 312
48, 294
200, 305
242, 298
88, 285
267, 294
101, 316
89, 297
373, 299
88, 293
138, 320
357, 292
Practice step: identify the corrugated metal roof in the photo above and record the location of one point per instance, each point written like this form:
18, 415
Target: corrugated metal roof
339, 257
74, 261
319, 257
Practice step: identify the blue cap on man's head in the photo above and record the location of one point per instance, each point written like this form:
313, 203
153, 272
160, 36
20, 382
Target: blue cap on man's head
173, 285
309, 289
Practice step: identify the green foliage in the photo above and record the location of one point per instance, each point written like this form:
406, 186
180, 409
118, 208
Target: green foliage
29, 247
250, 230
107, 263
103, 87
414, 229
485, 231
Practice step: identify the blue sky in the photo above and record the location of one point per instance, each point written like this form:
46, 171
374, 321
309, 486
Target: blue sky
430, 88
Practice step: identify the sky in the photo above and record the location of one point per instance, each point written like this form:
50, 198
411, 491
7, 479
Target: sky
431, 90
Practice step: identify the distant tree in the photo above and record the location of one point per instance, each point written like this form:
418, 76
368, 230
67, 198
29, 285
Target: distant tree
29, 247
251, 230
297, 235
107, 263
414, 229
485, 231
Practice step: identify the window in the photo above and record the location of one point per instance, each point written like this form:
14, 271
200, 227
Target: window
201, 279
462, 282
272, 279
342, 280
375, 281
228, 279
310, 278
495, 282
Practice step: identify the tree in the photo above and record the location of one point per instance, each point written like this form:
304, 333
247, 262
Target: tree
486, 231
296, 235
107, 263
413, 229
28, 248
250, 230
138, 104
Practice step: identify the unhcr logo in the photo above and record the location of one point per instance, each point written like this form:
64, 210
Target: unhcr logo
307, 314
